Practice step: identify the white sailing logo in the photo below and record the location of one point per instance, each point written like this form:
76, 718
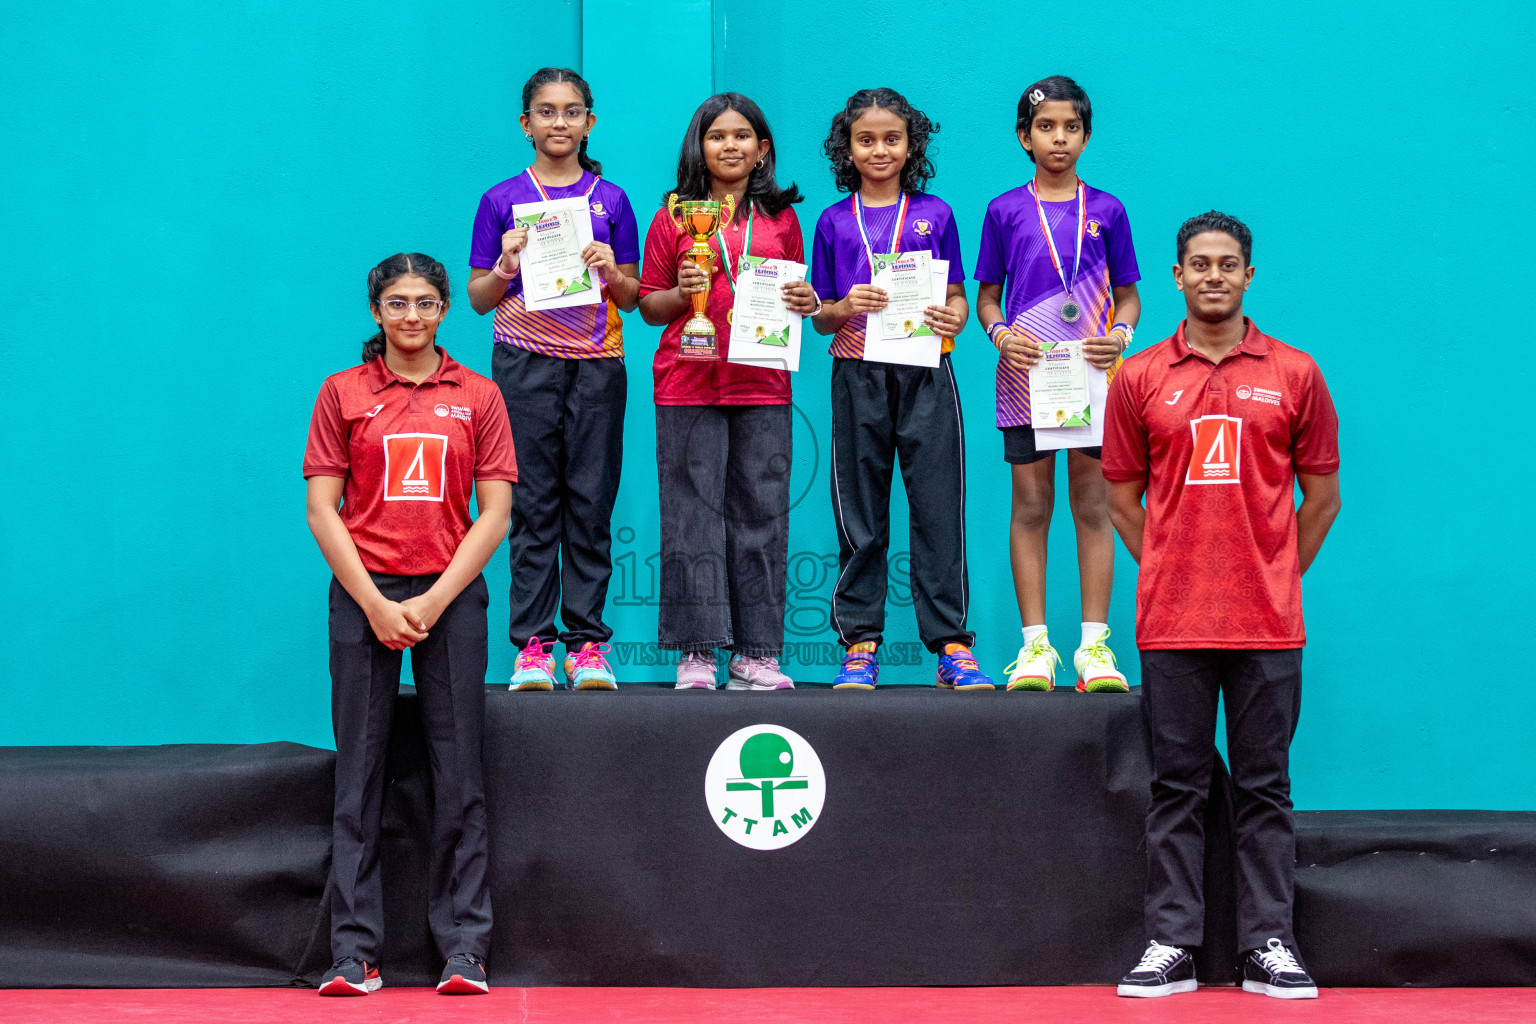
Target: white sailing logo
415, 480
1216, 463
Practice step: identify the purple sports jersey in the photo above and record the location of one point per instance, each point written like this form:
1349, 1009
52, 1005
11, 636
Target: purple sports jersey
576, 332
839, 261
1014, 254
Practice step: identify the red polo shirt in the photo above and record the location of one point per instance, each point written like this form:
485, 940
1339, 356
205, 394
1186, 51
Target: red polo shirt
1218, 446
715, 382
410, 454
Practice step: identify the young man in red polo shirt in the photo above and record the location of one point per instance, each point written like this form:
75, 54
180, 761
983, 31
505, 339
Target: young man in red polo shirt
1217, 425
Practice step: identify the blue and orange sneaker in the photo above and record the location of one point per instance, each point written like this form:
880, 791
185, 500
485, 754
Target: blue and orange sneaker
534, 668
861, 669
587, 669
958, 670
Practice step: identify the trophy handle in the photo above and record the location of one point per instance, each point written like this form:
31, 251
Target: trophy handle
727, 209
672, 213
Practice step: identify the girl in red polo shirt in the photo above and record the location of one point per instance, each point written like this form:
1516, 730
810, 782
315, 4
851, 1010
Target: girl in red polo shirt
722, 429
399, 443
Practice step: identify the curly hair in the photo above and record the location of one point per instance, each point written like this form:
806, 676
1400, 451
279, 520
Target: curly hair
915, 173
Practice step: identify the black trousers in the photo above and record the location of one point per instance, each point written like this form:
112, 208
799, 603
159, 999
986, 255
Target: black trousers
882, 412
1262, 695
449, 671
568, 427
723, 476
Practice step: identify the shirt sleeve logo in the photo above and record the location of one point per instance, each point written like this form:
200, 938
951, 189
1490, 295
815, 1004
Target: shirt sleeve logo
1217, 455
414, 466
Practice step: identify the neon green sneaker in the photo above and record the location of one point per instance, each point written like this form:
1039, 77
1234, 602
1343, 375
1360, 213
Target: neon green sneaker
1097, 670
1035, 667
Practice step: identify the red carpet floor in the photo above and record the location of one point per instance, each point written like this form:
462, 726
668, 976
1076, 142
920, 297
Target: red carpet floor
765, 1006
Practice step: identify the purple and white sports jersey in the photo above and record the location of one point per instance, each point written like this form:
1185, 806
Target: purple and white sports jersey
577, 332
839, 260
1014, 254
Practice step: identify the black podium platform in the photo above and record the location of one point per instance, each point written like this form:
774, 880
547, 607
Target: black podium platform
963, 839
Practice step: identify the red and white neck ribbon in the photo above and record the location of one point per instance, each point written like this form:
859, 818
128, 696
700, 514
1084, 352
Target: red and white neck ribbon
901, 219
544, 194
1082, 230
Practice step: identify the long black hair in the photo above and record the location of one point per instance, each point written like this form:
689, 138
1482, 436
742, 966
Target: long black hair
915, 173
1056, 87
401, 264
693, 177
550, 76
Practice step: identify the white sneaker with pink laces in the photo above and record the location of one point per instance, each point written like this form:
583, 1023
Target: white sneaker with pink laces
757, 674
534, 668
696, 671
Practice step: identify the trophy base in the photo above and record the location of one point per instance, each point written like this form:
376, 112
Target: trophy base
698, 340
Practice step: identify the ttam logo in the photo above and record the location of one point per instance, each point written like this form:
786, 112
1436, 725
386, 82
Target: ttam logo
413, 466
1217, 455
765, 787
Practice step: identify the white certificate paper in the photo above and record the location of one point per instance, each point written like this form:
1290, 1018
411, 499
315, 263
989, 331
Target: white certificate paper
553, 272
1090, 436
763, 330
1058, 386
919, 348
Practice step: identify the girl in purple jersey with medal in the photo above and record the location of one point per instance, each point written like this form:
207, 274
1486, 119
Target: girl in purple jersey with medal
882, 412
1056, 264
561, 372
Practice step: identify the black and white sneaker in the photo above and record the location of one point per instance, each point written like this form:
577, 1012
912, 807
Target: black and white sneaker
1163, 971
1273, 971
350, 976
464, 975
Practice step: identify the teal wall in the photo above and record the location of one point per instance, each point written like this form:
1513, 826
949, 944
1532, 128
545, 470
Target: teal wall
192, 197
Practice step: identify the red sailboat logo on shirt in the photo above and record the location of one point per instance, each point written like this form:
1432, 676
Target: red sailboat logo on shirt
1216, 458
413, 466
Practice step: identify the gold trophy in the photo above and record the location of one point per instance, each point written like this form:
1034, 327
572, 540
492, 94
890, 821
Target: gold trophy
699, 219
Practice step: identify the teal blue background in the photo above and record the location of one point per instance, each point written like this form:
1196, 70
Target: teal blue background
193, 194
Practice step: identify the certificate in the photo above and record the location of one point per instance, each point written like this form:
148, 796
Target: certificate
763, 330
908, 284
921, 347
1089, 436
553, 271
1058, 387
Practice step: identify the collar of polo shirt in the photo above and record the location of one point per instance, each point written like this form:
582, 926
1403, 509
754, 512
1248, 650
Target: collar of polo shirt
1253, 344
448, 371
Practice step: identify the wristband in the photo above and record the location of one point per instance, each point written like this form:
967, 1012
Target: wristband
496, 269
817, 310
992, 330
1126, 331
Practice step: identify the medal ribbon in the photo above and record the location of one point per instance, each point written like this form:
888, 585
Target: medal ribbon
1082, 229
869, 252
545, 195
725, 254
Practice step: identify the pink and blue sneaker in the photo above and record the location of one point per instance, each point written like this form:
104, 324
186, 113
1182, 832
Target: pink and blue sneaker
958, 670
861, 669
587, 669
534, 668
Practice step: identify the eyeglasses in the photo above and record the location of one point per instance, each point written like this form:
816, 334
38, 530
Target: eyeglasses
546, 116
427, 309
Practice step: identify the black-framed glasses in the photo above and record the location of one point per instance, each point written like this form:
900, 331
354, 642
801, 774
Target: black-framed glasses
427, 309
546, 116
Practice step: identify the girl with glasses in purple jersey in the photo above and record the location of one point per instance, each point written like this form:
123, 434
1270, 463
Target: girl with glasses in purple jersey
561, 372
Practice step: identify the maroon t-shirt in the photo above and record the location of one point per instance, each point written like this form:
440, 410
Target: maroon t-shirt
1218, 447
715, 382
410, 454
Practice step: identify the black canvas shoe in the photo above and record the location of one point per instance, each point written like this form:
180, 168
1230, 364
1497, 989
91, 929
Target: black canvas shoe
350, 976
464, 975
1163, 971
1273, 971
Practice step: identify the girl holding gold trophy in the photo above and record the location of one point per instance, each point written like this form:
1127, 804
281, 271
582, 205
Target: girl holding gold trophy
722, 428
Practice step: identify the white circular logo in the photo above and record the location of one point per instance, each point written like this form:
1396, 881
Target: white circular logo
765, 787
441, 410
1244, 391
